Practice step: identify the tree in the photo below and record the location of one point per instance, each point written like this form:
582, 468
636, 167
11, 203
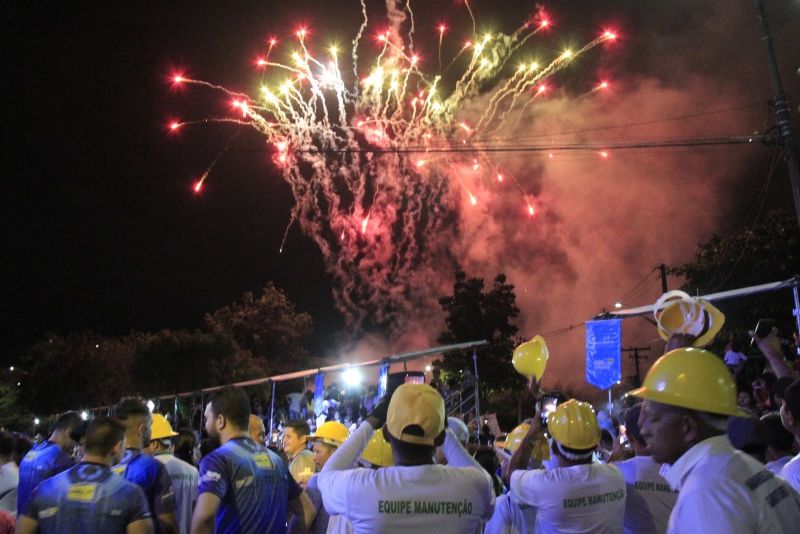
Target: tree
66, 372
765, 252
473, 314
174, 362
268, 326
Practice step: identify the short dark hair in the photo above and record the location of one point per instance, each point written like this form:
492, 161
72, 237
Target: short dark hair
631, 419
102, 435
778, 437
300, 427
68, 421
233, 404
130, 406
6, 444
792, 398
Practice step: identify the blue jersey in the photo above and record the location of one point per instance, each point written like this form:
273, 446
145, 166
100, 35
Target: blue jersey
87, 499
150, 475
253, 485
43, 461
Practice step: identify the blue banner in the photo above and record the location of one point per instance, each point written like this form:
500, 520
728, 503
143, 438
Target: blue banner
383, 377
319, 392
604, 352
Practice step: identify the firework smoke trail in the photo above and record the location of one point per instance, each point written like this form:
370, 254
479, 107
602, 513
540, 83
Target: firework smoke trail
384, 213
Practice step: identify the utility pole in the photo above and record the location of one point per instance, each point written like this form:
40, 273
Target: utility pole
781, 110
663, 269
636, 356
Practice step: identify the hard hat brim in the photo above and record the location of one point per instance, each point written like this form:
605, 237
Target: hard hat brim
660, 397
715, 317
165, 436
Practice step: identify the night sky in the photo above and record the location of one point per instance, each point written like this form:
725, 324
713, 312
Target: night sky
100, 227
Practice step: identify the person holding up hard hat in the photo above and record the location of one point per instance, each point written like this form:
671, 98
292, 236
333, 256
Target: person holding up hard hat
689, 395
578, 495
415, 494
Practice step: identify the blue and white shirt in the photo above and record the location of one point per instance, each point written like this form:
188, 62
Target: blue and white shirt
150, 475
43, 461
87, 499
253, 485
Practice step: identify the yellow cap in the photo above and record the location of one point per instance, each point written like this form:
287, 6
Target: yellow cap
161, 428
691, 378
331, 433
678, 313
416, 414
574, 425
378, 451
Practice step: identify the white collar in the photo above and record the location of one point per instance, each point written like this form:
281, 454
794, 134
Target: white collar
677, 473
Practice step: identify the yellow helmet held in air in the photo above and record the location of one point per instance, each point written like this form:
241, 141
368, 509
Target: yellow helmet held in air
691, 378
378, 451
331, 433
160, 428
530, 358
540, 450
574, 425
677, 312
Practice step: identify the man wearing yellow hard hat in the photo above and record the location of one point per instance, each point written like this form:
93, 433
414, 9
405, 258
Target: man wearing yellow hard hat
328, 437
184, 476
414, 495
578, 495
689, 395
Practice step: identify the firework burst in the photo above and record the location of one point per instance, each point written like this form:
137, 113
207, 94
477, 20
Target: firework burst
369, 155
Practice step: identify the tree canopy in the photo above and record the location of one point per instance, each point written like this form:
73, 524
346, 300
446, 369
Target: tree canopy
765, 252
473, 313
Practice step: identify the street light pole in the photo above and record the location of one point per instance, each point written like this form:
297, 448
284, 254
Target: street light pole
781, 110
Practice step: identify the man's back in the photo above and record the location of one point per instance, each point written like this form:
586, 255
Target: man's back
184, 478
725, 490
252, 484
152, 477
87, 499
42, 462
650, 500
423, 498
580, 498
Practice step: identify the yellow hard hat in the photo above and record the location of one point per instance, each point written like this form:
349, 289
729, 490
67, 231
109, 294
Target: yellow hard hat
378, 451
678, 313
540, 450
530, 358
331, 433
691, 378
161, 428
574, 425
514, 437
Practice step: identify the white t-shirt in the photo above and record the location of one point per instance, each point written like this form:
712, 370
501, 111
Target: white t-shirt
649, 500
510, 517
791, 472
9, 480
402, 499
580, 498
725, 491
184, 479
776, 465
734, 358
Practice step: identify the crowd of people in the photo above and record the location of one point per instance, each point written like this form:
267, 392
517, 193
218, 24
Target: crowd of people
687, 453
